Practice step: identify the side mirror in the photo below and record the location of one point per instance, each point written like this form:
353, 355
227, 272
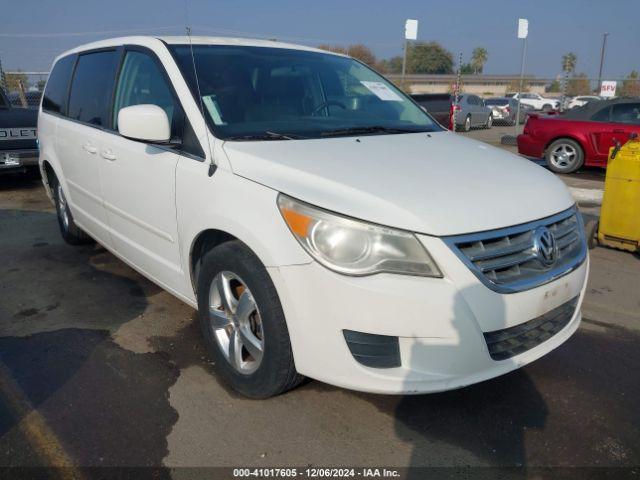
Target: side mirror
145, 122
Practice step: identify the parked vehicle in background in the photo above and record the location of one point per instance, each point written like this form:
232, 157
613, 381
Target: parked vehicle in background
582, 136
321, 222
580, 101
18, 143
505, 109
538, 102
471, 112
438, 105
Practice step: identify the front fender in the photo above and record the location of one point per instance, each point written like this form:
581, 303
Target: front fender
239, 207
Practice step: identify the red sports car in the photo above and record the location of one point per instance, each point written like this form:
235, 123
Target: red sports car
581, 136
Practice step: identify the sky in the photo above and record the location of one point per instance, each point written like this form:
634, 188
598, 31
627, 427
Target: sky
32, 33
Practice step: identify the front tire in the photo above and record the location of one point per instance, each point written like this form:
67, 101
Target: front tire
489, 122
71, 233
564, 156
467, 124
243, 323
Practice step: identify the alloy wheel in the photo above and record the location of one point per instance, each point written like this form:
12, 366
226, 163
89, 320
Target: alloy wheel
235, 322
563, 156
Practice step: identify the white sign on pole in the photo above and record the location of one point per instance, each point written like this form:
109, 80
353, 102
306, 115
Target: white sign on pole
523, 28
608, 88
411, 30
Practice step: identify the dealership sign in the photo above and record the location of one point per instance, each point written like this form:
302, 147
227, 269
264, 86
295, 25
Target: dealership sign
608, 88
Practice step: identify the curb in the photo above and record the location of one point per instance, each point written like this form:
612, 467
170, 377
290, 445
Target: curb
587, 195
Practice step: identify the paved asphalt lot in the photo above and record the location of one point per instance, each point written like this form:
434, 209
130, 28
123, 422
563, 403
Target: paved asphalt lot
100, 367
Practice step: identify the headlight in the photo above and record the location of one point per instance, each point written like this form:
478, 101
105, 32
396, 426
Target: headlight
354, 247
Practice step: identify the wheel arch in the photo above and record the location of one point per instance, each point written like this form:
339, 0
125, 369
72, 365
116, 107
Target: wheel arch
579, 141
205, 241
48, 174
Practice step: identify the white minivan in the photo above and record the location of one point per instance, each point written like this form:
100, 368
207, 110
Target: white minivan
320, 221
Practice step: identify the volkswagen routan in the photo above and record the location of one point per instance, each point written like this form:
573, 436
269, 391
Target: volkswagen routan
321, 222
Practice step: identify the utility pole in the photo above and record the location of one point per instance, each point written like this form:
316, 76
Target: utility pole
604, 46
523, 33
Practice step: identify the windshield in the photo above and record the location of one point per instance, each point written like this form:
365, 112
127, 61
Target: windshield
275, 93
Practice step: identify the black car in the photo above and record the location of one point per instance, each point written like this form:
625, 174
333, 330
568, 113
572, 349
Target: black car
18, 141
438, 105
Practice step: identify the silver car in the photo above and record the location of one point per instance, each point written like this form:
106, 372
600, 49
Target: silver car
471, 112
504, 110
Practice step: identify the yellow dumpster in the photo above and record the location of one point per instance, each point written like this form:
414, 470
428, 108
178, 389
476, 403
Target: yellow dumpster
619, 225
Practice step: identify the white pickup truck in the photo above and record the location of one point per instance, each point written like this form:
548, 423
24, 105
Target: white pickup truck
538, 102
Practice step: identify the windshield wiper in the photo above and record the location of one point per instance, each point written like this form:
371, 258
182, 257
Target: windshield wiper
267, 136
366, 130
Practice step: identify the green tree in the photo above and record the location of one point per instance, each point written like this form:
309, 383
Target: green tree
578, 85
391, 65
479, 57
569, 62
40, 85
466, 69
631, 85
429, 57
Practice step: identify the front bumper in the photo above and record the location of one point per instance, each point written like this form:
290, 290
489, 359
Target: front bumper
440, 323
11, 160
529, 146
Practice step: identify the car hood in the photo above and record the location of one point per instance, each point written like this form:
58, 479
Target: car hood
438, 183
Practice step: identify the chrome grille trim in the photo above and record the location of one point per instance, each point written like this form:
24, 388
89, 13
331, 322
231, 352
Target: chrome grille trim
504, 259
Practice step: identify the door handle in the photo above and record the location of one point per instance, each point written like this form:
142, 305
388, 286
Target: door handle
89, 148
108, 155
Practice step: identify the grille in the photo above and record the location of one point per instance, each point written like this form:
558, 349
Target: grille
508, 260
513, 341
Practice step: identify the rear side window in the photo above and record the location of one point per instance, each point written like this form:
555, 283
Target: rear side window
626, 113
92, 87
55, 93
142, 82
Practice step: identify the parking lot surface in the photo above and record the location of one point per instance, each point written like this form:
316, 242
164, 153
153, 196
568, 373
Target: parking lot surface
100, 367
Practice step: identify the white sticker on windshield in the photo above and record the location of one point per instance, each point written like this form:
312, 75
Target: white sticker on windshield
381, 91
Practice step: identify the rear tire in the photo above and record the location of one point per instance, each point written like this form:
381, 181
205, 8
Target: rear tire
564, 156
489, 122
71, 233
243, 323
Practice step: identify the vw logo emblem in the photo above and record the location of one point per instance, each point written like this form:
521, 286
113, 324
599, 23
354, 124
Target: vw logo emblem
544, 246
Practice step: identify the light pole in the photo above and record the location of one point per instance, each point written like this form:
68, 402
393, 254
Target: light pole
604, 46
523, 33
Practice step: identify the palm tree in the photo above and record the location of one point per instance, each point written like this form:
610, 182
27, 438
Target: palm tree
478, 59
569, 61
